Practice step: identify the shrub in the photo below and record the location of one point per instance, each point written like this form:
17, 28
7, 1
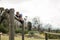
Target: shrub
19, 30
26, 32
31, 33
3, 29
53, 36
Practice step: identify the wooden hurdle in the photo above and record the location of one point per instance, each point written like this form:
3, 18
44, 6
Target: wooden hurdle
11, 17
46, 34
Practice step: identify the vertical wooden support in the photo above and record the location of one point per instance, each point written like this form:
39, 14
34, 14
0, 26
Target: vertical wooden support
49, 31
11, 25
46, 37
0, 36
23, 31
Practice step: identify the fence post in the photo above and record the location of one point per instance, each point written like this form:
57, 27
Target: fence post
11, 25
0, 35
23, 31
46, 36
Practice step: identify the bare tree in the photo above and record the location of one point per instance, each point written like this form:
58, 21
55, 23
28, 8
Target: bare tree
36, 22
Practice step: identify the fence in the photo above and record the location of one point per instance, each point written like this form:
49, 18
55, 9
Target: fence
10, 12
46, 34
11, 25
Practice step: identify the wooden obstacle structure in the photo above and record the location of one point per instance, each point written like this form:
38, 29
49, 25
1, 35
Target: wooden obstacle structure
46, 34
11, 18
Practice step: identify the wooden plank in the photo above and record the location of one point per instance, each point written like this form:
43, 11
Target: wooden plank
46, 36
11, 25
52, 33
23, 31
22, 22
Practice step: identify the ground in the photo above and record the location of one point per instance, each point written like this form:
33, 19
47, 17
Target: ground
18, 37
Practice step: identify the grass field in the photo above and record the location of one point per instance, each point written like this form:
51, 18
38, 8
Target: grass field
6, 37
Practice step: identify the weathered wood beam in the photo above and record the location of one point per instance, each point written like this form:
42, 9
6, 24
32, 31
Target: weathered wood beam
46, 36
22, 22
0, 35
47, 33
11, 25
52, 33
23, 31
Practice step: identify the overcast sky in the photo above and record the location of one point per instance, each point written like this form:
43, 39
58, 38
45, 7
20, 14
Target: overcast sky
47, 10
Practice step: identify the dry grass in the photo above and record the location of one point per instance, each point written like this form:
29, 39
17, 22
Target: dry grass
6, 37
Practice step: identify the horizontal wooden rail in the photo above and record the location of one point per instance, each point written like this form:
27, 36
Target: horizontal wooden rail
46, 36
52, 33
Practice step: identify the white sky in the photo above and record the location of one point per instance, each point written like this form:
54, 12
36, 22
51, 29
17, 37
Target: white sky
47, 10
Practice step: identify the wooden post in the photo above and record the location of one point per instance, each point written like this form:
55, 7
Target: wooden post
46, 37
11, 25
22, 22
49, 29
23, 31
0, 35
